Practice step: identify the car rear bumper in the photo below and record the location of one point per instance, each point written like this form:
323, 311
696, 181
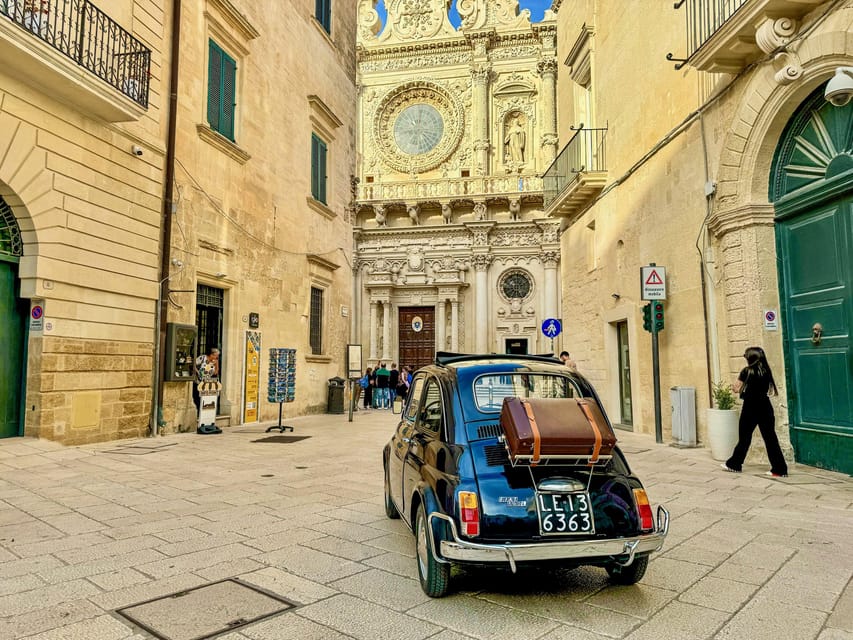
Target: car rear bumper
621, 550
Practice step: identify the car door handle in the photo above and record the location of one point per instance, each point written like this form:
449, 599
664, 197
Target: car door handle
407, 440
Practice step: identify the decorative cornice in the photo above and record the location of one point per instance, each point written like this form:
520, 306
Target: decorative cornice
750, 215
320, 208
322, 262
235, 19
222, 143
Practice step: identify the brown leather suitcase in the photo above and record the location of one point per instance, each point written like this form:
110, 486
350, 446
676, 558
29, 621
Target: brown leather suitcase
536, 429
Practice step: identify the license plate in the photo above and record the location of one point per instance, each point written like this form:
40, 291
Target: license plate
563, 514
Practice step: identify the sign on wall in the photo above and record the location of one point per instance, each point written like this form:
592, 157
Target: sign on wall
252, 374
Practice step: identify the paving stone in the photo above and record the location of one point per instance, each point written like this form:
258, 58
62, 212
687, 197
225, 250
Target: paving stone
348, 530
288, 585
386, 589
835, 634
483, 619
31, 565
100, 628
194, 561
718, 594
675, 575
20, 603
368, 621
763, 619
342, 548
100, 565
111, 600
314, 565
229, 569
286, 538
20, 583
394, 563
118, 579
762, 556
403, 544
109, 547
679, 620
730, 570
639, 600
289, 626
565, 632
54, 616
842, 617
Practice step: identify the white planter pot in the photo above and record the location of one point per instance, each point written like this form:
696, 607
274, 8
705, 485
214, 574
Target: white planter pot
722, 432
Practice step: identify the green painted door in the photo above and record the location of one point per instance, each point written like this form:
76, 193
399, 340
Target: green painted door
817, 246
12, 341
811, 186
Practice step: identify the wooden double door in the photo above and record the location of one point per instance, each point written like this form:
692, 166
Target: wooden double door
416, 339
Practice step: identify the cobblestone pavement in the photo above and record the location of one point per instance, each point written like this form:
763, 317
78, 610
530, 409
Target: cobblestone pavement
88, 530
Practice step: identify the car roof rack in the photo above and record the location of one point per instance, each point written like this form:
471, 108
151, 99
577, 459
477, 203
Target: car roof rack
444, 358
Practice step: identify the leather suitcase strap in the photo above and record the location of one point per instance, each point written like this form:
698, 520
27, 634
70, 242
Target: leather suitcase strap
596, 450
537, 437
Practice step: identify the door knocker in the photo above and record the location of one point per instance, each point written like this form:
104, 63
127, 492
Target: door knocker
817, 333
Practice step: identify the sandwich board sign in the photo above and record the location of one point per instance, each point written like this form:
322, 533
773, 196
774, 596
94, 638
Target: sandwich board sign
653, 282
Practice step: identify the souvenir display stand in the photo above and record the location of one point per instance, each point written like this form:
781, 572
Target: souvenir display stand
282, 382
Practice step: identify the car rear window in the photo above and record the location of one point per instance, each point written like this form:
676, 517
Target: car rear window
490, 390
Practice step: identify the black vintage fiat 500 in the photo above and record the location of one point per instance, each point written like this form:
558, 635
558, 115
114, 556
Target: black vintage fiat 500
449, 476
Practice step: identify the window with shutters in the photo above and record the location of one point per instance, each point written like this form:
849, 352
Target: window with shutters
323, 13
316, 321
221, 91
319, 152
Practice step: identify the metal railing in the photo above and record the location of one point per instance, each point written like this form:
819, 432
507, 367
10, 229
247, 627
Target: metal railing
89, 37
584, 153
704, 19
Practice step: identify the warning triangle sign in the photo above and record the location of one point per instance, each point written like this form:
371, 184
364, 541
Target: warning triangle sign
654, 278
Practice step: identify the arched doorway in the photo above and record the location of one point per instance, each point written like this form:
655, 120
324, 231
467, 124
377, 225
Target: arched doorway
812, 190
13, 316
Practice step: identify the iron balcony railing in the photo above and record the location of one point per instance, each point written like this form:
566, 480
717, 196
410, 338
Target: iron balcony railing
704, 19
584, 153
89, 37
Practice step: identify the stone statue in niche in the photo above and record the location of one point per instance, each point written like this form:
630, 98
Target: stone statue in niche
379, 214
515, 140
514, 209
480, 211
414, 213
447, 213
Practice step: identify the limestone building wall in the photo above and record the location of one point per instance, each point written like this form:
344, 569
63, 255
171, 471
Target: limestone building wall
246, 223
674, 136
88, 210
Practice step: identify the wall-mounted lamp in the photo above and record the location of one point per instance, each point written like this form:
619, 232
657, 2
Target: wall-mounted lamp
177, 263
839, 89
220, 274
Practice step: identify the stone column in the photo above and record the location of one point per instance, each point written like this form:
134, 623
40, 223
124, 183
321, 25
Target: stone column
355, 321
386, 330
454, 326
480, 75
440, 325
373, 331
550, 261
548, 71
481, 313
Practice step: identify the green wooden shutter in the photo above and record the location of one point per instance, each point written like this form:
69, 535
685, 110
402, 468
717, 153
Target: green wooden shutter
214, 85
323, 13
318, 168
229, 94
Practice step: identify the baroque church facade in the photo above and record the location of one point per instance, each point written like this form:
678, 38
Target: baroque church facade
452, 251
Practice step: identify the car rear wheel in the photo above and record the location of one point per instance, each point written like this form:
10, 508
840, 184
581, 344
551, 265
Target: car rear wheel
390, 509
630, 574
434, 576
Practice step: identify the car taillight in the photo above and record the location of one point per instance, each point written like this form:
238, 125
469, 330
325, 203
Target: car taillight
469, 514
644, 509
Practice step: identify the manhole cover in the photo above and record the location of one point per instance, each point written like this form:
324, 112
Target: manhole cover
205, 611
282, 439
140, 449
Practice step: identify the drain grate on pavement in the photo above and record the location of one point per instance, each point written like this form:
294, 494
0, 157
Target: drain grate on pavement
282, 439
206, 611
141, 449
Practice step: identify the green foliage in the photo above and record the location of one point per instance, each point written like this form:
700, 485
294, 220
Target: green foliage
724, 397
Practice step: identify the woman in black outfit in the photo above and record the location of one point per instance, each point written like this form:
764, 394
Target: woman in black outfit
754, 384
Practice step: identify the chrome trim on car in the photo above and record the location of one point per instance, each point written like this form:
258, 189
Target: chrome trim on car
615, 548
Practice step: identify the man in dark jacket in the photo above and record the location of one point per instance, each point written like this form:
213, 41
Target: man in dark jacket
393, 383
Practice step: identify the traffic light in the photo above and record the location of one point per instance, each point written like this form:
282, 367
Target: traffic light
657, 308
647, 317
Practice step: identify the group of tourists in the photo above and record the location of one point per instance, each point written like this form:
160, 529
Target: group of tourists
379, 387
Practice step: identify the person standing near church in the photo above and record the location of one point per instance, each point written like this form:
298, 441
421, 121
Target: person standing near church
393, 382
382, 376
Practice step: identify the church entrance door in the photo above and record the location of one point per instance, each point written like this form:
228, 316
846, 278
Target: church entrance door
416, 336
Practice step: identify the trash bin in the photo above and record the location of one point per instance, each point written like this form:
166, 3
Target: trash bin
336, 395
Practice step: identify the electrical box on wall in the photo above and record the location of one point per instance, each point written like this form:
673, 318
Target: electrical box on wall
180, 352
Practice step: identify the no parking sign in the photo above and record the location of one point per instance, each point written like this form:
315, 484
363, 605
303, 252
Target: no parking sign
771, 320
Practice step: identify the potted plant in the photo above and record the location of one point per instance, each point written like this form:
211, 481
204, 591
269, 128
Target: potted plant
722, 422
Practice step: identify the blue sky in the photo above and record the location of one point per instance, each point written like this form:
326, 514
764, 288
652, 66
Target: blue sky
537, 10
